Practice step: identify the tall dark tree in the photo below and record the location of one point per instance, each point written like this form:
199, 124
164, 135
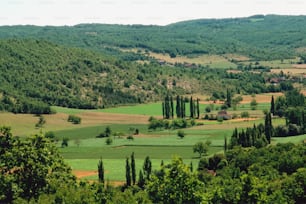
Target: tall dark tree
272, 108
133, 167
268, 127
147, 167
184, 109
171, 107
101, 171
191, 107
127, 172
178, 106
163, 109
228, 101
167, 107
141, 180
198, 108
183, 113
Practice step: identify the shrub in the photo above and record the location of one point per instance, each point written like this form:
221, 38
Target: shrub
65, 142
50, 135
74, 119
109, 141
245, 114
208, 109
130, 137
181, 134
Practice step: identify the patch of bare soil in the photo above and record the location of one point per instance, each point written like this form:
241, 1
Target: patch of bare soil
300, 66
81, 174
114, 118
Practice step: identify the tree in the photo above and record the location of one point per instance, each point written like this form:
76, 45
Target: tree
175, 183
253, 104
127, 172
272, 108
201, 148
108, 131
101, 171
141, 180
268, 127
191, 107
171, 107
29, 167
147, 167
41, 122
228, 101
198, 108
178, 107
133, 167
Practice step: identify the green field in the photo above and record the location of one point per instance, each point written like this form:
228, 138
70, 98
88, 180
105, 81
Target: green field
85, 149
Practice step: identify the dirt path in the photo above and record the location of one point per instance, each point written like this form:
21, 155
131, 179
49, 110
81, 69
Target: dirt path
81, 174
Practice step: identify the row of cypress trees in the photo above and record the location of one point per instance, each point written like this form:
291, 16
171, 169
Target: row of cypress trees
130, 171
180, 109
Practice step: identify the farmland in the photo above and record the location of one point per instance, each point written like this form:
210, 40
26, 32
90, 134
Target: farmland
85, 149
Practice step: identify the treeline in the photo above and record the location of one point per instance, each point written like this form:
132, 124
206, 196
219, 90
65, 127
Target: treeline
292, 107
31, 171
256, 37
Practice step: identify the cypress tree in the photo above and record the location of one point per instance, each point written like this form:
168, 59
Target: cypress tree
268, 127
198, 108
101, 171
167, 107
147, 167
272, 108
171, 107
194, 109
141, 180
183, 114
228, 98
127, 172
133, 168
191, 107
163, 107
178, 106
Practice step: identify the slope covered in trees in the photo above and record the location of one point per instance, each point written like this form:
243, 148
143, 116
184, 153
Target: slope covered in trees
35, 74
259, 37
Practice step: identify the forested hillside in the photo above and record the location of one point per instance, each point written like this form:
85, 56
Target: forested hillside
259, 37
85, 66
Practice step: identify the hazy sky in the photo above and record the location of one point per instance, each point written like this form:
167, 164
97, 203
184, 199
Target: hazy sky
160, 12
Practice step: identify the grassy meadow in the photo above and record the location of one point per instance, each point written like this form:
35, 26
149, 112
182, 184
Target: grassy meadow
85, 149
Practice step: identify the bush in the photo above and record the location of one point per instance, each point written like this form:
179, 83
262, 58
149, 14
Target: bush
65, 142
245, 114
74, 119
130, 137
50, 135
208, 109
181, 134
109, 141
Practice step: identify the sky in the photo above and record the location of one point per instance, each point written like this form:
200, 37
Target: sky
147, 12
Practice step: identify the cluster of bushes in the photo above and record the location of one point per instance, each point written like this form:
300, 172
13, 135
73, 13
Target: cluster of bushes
167, 124
74, 119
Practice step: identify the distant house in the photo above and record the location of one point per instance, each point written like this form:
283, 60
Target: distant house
224, 115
